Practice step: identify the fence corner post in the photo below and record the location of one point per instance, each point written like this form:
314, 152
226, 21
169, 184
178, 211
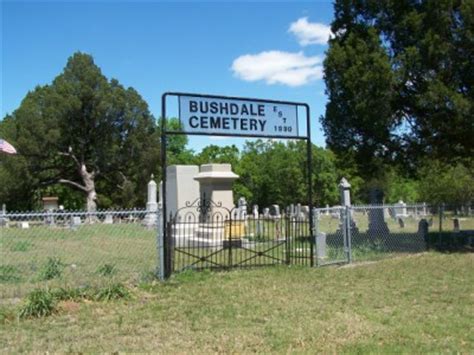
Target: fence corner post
160, 272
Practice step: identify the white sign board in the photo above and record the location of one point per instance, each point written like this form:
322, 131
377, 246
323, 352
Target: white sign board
237, 117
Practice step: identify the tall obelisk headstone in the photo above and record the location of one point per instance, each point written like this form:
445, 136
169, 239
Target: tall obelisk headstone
151, 205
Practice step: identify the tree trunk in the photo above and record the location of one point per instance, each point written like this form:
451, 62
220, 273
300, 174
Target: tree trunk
89, 188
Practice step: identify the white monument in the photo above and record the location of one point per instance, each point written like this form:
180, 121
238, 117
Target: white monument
215, 181
151, 205
181, 188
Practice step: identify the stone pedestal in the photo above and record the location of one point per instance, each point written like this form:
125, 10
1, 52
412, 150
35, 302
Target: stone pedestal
215, 185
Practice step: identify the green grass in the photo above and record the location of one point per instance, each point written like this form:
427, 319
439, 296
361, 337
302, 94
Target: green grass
416, 304
58, 257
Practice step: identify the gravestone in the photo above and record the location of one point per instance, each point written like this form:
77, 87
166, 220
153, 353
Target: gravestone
423, 227
401, 209
151, 216
3, 218
242, 209
255, 212
109, 219
266, 213
75, 222
275, 211
23, 225
456, 225
377, 225
305, 212
401, 223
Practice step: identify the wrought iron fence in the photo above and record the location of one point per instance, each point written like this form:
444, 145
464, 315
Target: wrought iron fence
74, 249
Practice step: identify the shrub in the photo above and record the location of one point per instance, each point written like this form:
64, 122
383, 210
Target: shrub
52, 269
39, 303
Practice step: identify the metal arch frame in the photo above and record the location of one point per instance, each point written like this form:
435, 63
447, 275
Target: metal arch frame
165, 133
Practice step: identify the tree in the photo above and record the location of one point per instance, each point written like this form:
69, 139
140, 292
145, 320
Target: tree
400, 83
85, 131
444, 183
359, 119
276, 173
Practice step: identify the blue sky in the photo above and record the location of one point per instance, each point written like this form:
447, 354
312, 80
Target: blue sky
270, 50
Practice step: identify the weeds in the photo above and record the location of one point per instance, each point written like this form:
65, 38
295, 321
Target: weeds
107, 270
39, 303
21, 246
9, 273
52, 269
112, 292
7, 315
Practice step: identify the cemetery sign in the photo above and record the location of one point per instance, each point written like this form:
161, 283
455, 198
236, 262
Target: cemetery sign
232, 116
208, 115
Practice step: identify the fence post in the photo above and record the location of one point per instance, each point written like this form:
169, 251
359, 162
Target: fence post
160, 246
315, 236
349, 234
441, 214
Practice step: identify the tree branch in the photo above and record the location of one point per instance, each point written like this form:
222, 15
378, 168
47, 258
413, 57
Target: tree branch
72, 156
75, 184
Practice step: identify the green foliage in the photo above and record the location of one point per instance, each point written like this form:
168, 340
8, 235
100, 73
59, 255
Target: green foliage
23, 245
107, 270
274, 172
399, 80
359, 84
71, 294
401, 188
7, 315
52, 269
80, 120
39, 303
443, 183
9, 273
111, 292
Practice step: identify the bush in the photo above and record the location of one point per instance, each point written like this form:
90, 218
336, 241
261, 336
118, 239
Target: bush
52, 269
39, 303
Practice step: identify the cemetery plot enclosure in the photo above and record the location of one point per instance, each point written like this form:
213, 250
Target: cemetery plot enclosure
205, 235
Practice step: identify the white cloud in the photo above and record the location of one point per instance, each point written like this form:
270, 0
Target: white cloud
277, 67
310, 32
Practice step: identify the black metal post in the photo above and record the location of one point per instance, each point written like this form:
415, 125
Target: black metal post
166, 251
310, 182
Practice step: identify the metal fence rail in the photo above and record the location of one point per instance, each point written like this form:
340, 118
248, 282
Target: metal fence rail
75, 249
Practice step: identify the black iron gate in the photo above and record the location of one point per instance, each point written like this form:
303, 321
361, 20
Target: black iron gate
206, 235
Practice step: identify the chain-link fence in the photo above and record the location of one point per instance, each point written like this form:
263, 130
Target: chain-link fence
361, 233
75, 249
